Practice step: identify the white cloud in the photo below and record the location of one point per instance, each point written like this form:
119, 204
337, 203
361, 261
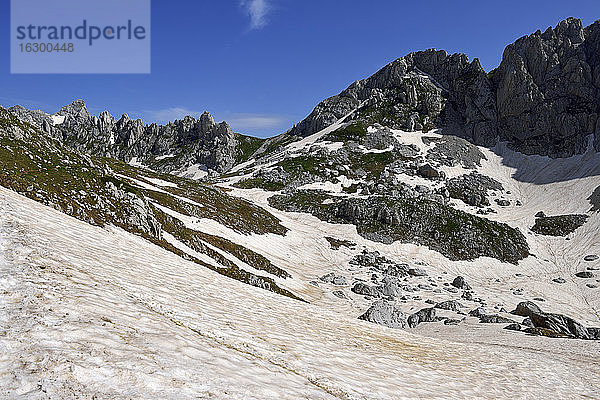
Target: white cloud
170, 114
247, 122
257, 10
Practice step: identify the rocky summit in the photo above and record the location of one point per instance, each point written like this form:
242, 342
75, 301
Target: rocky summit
543, 98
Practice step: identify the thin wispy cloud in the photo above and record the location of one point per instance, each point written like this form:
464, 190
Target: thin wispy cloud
239, 122
247, 122
257, 10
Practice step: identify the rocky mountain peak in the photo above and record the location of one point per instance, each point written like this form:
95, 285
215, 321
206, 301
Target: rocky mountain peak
542, 99
76, 109
206, 121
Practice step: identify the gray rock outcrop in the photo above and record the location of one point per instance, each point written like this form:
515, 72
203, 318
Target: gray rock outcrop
166, 148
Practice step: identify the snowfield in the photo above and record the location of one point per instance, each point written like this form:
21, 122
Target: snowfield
99, 313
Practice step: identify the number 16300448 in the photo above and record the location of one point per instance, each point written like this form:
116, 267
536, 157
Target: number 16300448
46, 47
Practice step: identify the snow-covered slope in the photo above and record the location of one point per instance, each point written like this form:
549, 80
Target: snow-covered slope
99, 312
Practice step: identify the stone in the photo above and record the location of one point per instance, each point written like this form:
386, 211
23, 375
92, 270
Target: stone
385, 313
554, 324
451, 305
584, 274
527, 322
526, 309
478, 312
365, 290
424, 315
559, 280
427, 171
591, 257
450, 321
417, 272
339, 281
460, 283
495, 319
327, 278
513, 327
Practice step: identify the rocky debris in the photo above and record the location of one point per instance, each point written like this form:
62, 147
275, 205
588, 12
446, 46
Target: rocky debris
526, 308
327, 278
340, 281
594, 198
559, 280
424, 315
591, 285
385, 313
467, 295
365, 290
591, 257
478, 312
460, 283
584, 274
417, 272
473, 188
334, 279
556, 323
336, 244
513, 327
392, 286
382, 138
427, 171
451, 321
502, 202
540, 214
340, 294
384, 219
453, 151
537, 331
494, 319
527, 322
451, 305
559, 225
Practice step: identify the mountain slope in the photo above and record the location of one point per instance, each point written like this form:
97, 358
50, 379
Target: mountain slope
104, 191
89, 317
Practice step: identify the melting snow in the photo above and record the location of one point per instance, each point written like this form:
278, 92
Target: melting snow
100, 312
57, 119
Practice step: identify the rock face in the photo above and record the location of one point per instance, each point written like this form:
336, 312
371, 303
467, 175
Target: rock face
547, 90
418, 92
542, 99
167, 148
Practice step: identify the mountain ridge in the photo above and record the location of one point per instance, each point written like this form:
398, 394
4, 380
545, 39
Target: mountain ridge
531, 100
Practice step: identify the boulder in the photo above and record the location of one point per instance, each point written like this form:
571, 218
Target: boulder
424, 315
385, 313
451, 305
460, 283
561, 325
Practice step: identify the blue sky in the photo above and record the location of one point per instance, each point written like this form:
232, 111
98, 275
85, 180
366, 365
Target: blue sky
264, 64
